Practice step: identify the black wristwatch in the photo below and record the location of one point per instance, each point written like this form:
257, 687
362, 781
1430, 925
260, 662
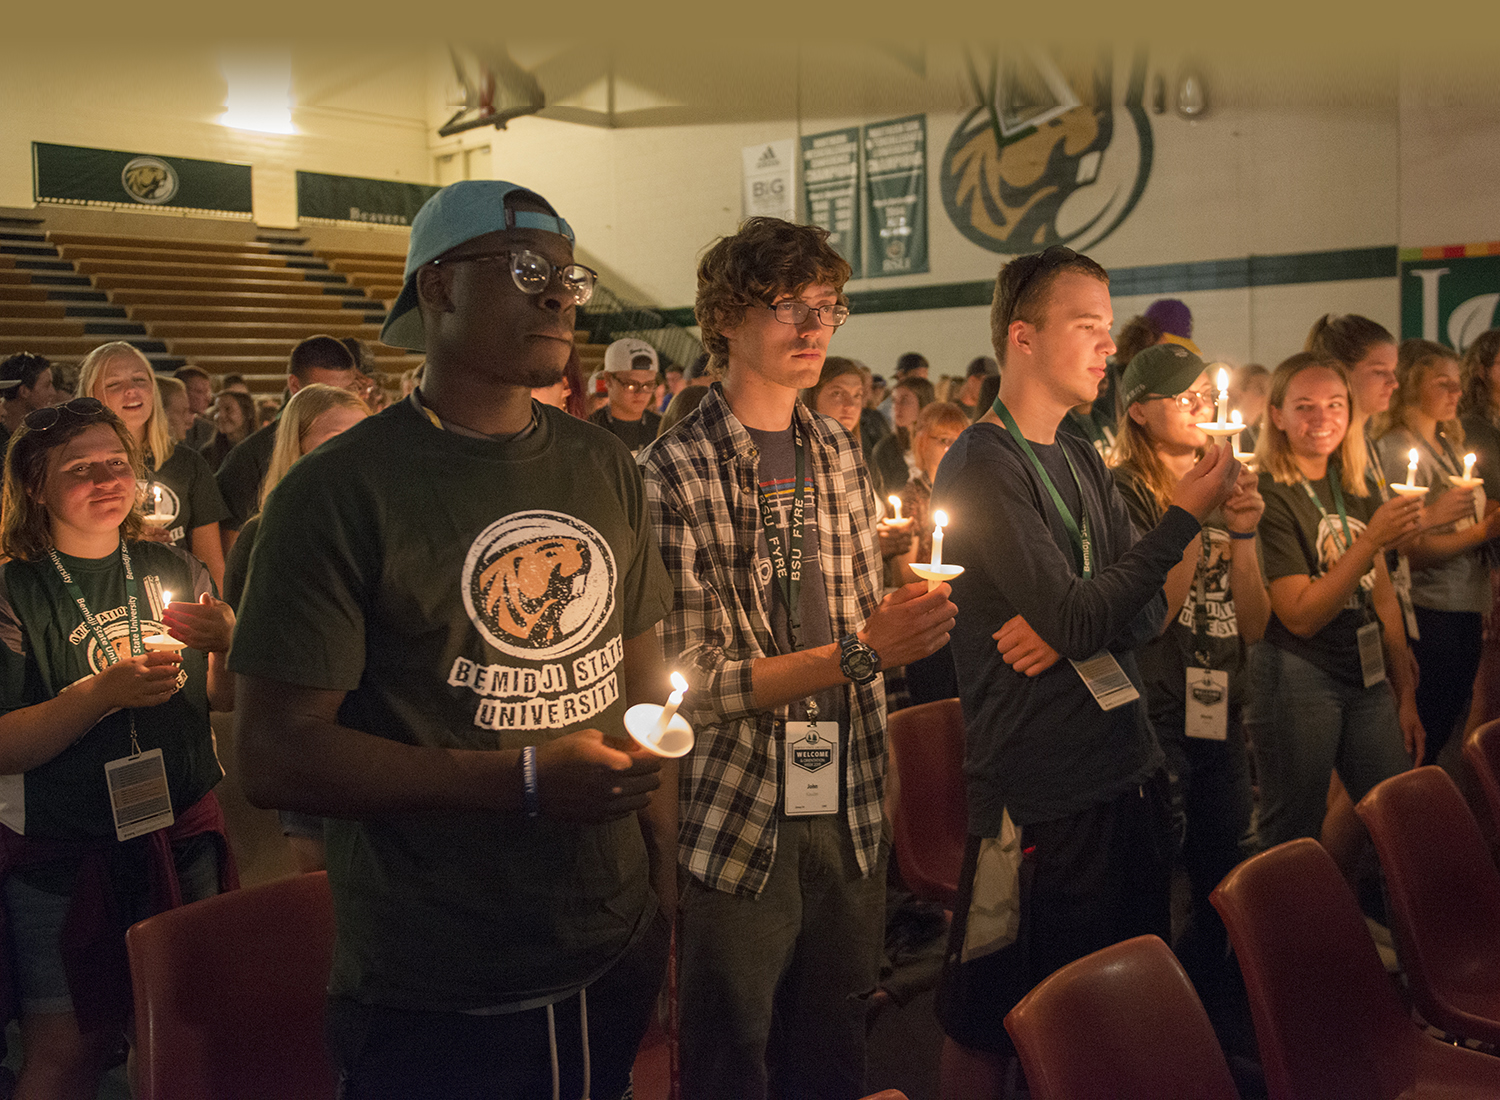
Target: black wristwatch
858, 661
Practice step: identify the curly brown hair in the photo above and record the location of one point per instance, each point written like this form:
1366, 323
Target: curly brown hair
1478, 360
767, 257
25, 528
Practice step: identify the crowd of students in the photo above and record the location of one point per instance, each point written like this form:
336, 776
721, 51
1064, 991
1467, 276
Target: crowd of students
440, 614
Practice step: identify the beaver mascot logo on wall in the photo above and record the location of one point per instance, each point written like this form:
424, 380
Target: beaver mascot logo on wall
1047, 158
539, 585
149, 180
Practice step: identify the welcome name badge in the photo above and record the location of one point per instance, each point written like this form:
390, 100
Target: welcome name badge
812, 768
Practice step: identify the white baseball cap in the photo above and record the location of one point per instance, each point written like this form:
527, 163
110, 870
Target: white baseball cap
622, 354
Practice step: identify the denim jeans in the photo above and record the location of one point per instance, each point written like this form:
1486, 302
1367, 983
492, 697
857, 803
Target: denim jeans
790, 970
1304, 724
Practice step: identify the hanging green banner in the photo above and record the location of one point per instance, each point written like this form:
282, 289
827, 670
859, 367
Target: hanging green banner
354, 199
895, 213
1450, 294
108, 177
830, 188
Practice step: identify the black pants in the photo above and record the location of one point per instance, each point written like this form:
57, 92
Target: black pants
1087, 881
397, 1054
1447, 655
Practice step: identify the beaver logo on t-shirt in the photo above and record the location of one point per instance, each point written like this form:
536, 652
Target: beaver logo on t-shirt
539, 585
1331, 546
116, 624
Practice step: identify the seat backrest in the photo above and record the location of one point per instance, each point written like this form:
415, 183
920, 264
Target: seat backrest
1443, 888
1482, 754
1326, 1015
229, 995
930, 821
1122, 1023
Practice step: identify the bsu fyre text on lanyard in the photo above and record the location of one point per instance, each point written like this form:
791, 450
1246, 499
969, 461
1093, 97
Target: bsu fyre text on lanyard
786, 548
137, 784
1101, 673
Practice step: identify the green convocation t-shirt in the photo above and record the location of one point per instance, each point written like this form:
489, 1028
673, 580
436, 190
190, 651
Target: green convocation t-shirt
45, 649
466, 594
1164, 661
1295, 540
188, 492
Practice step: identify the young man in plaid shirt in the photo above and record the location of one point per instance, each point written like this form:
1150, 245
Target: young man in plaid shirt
767, 524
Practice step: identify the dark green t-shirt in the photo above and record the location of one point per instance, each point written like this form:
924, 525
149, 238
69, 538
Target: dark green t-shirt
188, 491
45, 648
472, 594
1164, 661
1296, 539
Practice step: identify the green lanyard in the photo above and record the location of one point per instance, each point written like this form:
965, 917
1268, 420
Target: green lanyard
132, 600
1078, 530
1377, 471
1334, 476
786, 553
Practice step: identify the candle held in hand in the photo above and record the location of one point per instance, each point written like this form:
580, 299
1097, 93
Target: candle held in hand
669, 711
940, 520
1411, 468
895, 503
1469, 461
156, 500
1223, 400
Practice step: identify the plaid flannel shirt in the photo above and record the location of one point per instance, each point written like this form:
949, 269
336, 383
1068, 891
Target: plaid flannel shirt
701, 482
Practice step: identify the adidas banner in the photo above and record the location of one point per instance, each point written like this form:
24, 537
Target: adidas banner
768, 180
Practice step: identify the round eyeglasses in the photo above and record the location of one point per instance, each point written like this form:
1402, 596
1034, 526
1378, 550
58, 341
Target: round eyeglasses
533, 272
794, 312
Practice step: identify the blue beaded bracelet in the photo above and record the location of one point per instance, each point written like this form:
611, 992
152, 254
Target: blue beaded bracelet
531, 798
1242, 534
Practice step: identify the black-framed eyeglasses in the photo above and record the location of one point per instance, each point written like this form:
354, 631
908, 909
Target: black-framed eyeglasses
80, 408
533, 272
794, 311
632, 387
1047, 260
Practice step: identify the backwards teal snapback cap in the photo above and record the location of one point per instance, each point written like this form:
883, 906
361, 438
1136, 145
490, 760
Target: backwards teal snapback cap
458, 213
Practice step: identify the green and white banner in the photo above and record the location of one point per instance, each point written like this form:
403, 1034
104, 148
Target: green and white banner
355, 199
895, 213
109, 177
1450, 294
830, 188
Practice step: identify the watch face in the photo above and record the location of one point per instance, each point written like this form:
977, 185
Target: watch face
858, 666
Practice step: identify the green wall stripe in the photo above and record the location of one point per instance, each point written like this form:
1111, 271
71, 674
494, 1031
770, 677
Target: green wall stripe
1290, 269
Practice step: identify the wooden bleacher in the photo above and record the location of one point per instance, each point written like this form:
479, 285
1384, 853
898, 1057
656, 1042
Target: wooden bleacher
226, 306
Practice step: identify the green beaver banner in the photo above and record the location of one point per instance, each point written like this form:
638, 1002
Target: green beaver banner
353, 199
75, 174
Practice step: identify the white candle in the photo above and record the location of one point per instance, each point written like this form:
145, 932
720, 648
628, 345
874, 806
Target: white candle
1411, 469
156, 500
669, 711
940, 520
895, 503
1469, 466
1237, 419
1223, 396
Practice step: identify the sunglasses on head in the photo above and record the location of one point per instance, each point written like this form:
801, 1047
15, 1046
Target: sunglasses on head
1042, 262
80, 408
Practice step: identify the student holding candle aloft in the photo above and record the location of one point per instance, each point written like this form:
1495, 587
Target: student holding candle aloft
1063, 750
81, 701
1332, 685
178, 481
1194, 672
1450, 583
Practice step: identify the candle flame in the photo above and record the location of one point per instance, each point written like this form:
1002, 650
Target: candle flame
894, 501
166, 597
1470, 459
1236, 418
1412, 456
940, 518
1223, 380
678, 683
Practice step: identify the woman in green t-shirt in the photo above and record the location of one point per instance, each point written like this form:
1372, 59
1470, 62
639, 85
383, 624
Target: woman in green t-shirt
104, 736
1332, 686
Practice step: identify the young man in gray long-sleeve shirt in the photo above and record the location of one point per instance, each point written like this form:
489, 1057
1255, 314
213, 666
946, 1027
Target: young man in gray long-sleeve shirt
1053, 569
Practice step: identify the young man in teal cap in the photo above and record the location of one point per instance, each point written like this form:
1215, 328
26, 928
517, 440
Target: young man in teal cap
448, 611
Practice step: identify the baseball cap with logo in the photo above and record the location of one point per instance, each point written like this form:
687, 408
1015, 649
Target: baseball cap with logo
622, 355
458, 213
1163, 370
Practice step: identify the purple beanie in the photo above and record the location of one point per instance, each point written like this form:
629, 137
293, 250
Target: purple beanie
1171, 315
